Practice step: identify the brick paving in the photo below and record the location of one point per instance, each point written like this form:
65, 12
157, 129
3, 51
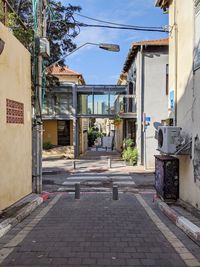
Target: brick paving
94, 231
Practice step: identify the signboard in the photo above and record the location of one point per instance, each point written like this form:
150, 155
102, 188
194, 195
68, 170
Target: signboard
171, 100
107, 141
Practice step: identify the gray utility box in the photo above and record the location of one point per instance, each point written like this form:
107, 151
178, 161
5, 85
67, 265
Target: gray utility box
167, 177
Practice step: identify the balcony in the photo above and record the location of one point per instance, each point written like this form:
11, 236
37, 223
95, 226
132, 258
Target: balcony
58, 106
125, 106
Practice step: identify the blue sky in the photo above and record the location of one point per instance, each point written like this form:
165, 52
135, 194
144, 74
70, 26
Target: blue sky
101, 67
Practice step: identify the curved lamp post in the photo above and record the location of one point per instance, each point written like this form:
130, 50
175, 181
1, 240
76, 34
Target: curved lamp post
105, 46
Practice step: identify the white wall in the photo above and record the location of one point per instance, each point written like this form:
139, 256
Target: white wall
155, 100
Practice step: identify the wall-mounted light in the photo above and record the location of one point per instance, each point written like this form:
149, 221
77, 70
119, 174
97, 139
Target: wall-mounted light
2, 43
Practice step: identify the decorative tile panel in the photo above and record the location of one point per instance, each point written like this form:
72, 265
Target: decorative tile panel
14, 112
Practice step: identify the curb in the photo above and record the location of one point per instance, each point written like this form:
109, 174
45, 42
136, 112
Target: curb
189, 228
9, 223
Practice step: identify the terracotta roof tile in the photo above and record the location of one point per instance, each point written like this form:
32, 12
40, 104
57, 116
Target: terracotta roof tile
153, 42
135, 47
162, 3
62, 70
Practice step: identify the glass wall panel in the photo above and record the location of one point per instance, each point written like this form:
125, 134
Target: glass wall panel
63, 104
101, 104
47, 107
85, 104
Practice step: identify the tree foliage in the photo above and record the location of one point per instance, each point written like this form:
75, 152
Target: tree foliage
61, 29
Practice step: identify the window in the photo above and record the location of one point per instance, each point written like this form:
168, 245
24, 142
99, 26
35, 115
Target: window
63, 104
197, 34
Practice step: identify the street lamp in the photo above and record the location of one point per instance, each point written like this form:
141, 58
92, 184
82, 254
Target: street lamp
38, 135
105, 46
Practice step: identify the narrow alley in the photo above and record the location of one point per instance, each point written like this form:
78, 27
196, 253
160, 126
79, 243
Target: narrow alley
100, 133
96, 230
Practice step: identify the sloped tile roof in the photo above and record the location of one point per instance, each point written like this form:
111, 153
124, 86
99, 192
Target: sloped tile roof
135, 47
153, 42
62, 70
162, 3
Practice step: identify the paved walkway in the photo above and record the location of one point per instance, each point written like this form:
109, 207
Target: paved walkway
95, 231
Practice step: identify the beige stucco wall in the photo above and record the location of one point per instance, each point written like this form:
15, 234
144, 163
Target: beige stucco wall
188, 93
75, 79
50, 133
83, 136
15, 145
119, 137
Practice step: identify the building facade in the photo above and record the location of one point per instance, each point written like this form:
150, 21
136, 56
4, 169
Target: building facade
145, 71
59, 112
15, 120
184, 93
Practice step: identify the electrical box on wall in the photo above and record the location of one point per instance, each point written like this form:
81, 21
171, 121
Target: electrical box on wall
44, 47
167, 177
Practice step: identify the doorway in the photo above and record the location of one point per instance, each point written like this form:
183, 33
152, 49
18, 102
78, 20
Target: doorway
63, 133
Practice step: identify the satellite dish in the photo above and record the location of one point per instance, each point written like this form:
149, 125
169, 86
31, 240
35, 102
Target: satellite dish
157, 124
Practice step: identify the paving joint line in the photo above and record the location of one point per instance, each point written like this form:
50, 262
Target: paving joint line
189, 259
10, 246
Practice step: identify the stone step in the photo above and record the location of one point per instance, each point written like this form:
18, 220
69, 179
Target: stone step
99, 178
100, 183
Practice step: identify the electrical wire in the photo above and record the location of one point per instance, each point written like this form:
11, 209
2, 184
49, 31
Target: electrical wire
81, 24
117, 24
121, 28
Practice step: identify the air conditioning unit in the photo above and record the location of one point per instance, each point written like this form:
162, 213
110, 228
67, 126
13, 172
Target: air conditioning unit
44, 47
169, 139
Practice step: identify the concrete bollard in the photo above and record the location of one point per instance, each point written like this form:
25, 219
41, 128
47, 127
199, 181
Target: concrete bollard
109, 163
73, 164
77, 191
115, 192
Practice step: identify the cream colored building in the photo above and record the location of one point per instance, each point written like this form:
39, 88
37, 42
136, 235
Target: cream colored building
15, 121
58, 112
184, 85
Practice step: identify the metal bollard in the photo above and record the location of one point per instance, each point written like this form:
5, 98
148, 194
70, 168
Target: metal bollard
73, 164
115, 192
109, 163
77, 191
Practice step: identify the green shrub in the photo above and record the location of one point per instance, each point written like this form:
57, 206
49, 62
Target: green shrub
47, 145
93, 134
130, 154
128, 142
117, 120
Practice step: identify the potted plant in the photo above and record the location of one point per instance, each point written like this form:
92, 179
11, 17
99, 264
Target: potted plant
128, 142
130, 155
117, 120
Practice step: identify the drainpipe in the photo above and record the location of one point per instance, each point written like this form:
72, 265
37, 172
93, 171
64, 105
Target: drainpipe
176, 65
142, 103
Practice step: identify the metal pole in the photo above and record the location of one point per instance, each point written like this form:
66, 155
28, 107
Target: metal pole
74, 164
115, 192
77, 191
109, 163
37, 125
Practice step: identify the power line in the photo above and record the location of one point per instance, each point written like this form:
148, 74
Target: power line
121, 28
117, 24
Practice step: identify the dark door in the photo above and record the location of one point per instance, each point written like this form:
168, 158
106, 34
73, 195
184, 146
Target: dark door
63, 133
